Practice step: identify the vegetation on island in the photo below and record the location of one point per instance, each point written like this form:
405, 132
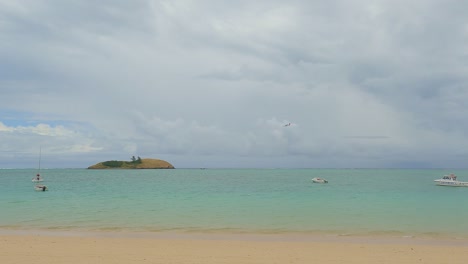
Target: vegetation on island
135, 163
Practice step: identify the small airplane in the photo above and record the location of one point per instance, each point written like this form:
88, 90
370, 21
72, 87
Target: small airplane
288, 124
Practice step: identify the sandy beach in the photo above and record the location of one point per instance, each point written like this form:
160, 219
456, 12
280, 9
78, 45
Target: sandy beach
47, 248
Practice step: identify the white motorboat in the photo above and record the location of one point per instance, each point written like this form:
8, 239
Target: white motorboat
41, 188
319, 180
450, 180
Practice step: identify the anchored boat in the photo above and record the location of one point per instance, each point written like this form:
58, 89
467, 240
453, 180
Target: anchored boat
319, 180
450, 180
41, 188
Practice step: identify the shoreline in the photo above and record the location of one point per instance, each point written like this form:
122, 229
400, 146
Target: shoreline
41, 247
283, 234
244, 236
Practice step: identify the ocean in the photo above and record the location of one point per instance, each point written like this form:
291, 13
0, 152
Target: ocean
387, 202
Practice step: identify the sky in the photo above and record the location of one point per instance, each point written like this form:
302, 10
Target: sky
211, 84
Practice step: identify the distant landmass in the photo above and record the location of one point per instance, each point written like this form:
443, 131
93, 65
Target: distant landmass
134, 164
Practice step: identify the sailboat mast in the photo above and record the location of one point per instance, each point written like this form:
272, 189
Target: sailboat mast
40, 150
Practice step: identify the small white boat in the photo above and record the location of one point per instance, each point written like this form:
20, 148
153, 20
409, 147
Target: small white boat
319, 180
450, 180
41, 188
38, 178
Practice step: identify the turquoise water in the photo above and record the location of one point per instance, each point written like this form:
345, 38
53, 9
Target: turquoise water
355, 201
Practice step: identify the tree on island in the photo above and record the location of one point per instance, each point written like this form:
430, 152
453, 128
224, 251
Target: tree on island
136, 160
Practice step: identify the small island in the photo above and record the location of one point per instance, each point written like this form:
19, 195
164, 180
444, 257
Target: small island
135, 163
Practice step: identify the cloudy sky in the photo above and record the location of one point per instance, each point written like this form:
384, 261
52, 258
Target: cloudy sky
208, 83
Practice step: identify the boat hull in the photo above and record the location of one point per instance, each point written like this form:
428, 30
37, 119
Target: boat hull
319, 180
451, 183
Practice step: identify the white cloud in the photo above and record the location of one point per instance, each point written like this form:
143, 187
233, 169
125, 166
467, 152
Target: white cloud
39, 129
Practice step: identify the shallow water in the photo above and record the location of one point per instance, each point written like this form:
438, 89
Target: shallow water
354, 202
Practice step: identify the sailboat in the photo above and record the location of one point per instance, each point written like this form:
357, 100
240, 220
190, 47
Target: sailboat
38, 177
